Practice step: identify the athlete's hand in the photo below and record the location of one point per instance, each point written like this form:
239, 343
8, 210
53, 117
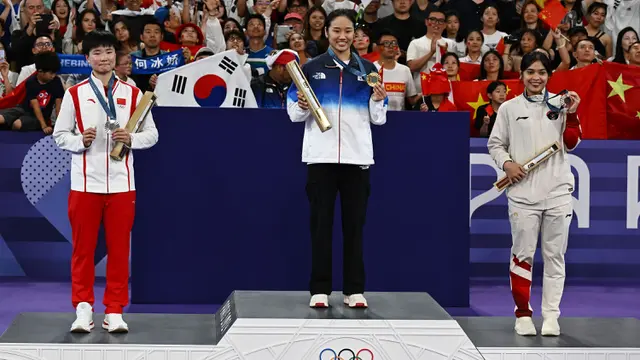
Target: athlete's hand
48, 130
379, 92
88, 136
121, 135
515, 172
575, 101
302, 102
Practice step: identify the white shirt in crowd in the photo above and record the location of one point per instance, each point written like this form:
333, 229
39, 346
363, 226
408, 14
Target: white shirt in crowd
420, 47
626, 13
330, 5
25, 72
468, 60
491, 41
398, 83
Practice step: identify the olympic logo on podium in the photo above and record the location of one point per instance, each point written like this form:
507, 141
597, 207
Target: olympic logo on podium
355, 355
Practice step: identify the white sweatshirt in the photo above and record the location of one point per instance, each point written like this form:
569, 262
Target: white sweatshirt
521, 131
92, 169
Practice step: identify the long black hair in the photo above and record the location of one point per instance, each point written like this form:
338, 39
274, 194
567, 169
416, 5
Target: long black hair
619, 54
483, 72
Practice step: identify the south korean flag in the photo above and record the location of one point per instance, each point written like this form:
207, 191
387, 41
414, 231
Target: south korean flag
216, 81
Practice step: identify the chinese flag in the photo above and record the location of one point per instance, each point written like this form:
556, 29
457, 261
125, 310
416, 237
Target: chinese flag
622, 101
552, 13
468, 72
589, 83
470, 95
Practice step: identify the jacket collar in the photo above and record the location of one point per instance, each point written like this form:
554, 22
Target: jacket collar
328, 61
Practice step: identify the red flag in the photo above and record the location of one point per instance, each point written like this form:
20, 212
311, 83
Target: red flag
500, 47
622, 101
167, 46
470, 95
372, 56
589, 83
16, 97
552, 13
468, 71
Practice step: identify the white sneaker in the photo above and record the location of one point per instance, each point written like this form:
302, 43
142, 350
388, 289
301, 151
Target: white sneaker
550, 327
114, 323
525, 327
355, 301
319, 301
84, 319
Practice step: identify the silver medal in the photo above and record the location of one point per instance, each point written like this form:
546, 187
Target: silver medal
111, 125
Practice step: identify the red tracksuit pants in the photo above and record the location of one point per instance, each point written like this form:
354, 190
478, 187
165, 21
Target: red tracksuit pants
86, 212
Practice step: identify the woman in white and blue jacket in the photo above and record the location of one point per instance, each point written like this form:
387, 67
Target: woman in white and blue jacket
338, 159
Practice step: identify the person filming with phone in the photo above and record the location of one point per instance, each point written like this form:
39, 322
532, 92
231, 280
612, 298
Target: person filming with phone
36, 21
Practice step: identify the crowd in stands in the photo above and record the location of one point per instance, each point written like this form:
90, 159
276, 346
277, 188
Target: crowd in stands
405, 39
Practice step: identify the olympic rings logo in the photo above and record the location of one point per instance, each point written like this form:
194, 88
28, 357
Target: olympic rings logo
354, 355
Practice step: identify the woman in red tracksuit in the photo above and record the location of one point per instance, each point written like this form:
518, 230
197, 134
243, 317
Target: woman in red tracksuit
90, 123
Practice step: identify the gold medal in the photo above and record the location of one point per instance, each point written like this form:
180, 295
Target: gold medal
373, 79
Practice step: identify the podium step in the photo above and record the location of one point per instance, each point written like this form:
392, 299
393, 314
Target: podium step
280, 325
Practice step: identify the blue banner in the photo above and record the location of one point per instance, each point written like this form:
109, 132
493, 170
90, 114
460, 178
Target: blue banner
78, 64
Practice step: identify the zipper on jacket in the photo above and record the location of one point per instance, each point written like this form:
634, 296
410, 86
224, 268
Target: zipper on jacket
339, 113
107, 163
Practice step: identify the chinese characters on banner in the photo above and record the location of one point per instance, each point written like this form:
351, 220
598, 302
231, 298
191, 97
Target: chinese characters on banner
77, 64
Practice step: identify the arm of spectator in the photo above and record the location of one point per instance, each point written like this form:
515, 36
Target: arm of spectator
7, 10
215, 36
35, 105
186, 11
64, 130
329, 5
281, 5
563, 52
242, 8
106, 12
4, 70
498, 143
415, 62
548, 41
90, 4
148, 135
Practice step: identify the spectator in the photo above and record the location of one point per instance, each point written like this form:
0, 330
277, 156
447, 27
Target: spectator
86, 22
330, 5
258, 50
296, 6
22, 41
621, 14
151, 37
296, 43
231, 24
271, 89
8, 78
41, 44
625, 38
514, 52
123, 35
397, 78
420, 9
123, 67
452, 32
596, 14
62, 10
487, 114
574, 17
406, 27
190, 39
437, 92
210, 23
314, 34
43, 92
362, 42
474, 42
490, 21
203, 53
170, 18
424, 52
634, 54
235, 40
529, 19
491, 66
370, 17
584, 53
295, 23
451, 65
470, 12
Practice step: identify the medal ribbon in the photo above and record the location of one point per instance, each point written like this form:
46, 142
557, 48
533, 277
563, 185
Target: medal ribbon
353, 71
546, 99
110, 109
